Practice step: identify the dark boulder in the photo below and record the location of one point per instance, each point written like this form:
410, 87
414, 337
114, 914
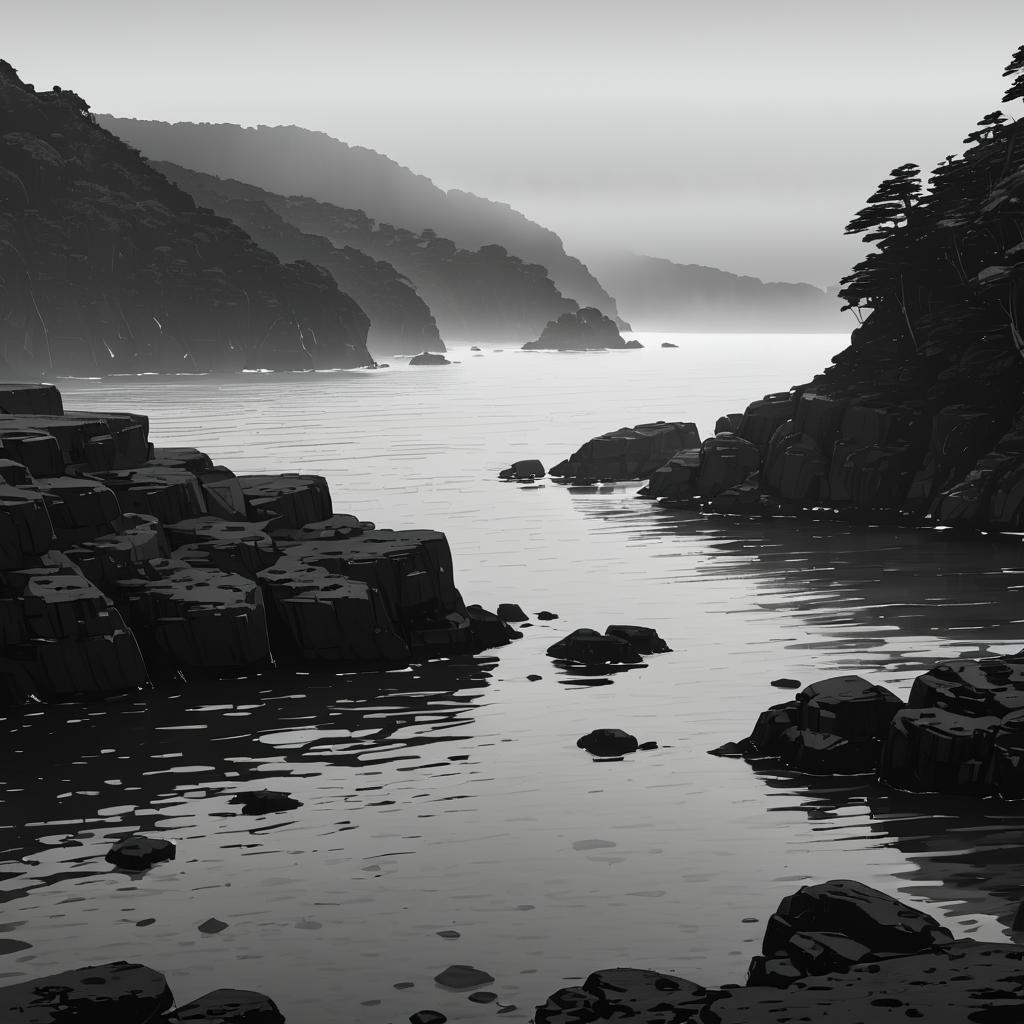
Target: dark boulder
729, 423
427, 1017
629, 453
643, 639
585, 329
114, 993
592, 648
229, 1006
786, 684
523, 468
931, 750
1008, 757
462, 976
488, 629
608, 743
136, 853
511, 613
623, 993
761, 419
265, 801
546, 616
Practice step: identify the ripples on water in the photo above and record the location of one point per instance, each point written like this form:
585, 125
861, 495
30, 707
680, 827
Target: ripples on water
453, 797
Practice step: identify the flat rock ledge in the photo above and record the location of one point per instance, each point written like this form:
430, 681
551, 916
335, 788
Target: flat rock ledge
837, 953
122, 564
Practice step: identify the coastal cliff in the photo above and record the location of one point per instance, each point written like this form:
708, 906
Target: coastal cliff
107, 267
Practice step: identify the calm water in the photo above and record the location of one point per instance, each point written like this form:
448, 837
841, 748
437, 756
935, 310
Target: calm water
454, 798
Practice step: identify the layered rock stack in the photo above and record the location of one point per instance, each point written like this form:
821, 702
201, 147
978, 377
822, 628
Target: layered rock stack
628, 453
121, 563
961, 731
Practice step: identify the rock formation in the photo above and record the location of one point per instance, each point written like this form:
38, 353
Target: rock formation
584, 330
107, 267
839, 952
961, 732
121, 563
629, 453
294, 161
429, 359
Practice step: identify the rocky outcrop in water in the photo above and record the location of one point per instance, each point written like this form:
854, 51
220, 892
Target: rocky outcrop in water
584, 330
429, 359
961, 731
121, 563
107, 267
629, 453
839, 952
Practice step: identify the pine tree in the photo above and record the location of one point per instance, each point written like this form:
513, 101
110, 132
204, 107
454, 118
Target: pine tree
889, 206
1015, 67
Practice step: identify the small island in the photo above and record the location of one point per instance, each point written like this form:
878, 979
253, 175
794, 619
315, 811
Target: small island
429, 359
585, 330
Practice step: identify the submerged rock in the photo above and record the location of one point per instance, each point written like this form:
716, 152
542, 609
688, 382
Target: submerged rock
229, 1006
265, 801
608, 743
592, 648
136, 853
462, 976
429, 359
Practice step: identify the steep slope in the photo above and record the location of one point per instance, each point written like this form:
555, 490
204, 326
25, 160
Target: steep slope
107, 267
400, 321
486, 295
659, 295
295, 161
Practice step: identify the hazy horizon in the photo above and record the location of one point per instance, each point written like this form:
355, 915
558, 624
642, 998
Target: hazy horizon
741, 137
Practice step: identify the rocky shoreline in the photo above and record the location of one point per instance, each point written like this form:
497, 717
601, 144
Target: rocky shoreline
122, 564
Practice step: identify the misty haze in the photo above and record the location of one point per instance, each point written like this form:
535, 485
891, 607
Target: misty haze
511, 510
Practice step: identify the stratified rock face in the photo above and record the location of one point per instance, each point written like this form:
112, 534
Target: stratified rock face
109, 268
629, 453
115, 993
106, 538
581, 331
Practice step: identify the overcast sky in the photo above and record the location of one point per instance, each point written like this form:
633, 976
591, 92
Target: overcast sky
735, 133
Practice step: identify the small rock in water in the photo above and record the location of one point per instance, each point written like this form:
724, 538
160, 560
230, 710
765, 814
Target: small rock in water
460, 976
211, 926
522, 469
429, 359
265, 801
608, 743
145, 922
731, 749
786, 684
668, 344
644, 639
649, 745
546, 616
483, 997
229, 1006
403, 984
589, 647
427, 1017
534, 678
449, 933
511, 613
136, 853
13, 946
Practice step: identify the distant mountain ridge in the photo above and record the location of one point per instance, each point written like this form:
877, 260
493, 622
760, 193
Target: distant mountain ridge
482, 296
656, 294
289, 160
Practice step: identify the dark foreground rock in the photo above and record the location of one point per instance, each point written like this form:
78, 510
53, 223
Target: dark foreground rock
229, 1006
586, 329
122, 564
837, 952
124, 993
961, 732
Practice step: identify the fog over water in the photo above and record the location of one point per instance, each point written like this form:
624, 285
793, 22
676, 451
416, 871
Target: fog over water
453, 797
